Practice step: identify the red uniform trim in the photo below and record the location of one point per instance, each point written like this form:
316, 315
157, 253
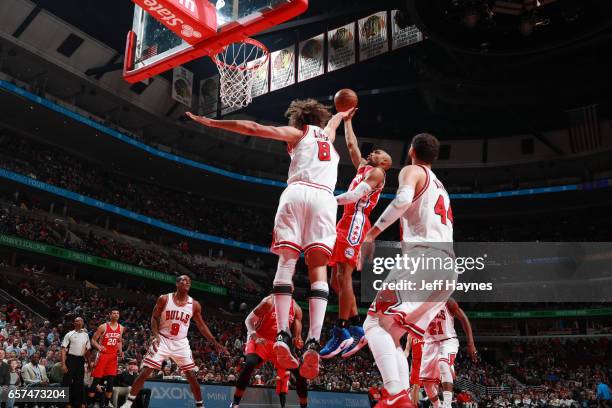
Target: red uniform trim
290, 147
287, 244
150, 362
420, 193
429, 379
318, 247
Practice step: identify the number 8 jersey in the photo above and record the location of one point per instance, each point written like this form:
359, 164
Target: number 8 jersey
174, 320
314, 159
429, 218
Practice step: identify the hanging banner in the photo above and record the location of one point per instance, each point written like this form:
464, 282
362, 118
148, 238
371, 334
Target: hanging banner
310, 63
373, 36
260, 81
341, 47
282, 72
401, 37
182, 85
208, 99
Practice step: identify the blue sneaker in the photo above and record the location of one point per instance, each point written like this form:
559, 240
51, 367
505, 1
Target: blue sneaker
339, 341
359, 341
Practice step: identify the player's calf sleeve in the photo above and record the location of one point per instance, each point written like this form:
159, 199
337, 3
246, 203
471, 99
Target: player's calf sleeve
317, 302
383, 349
448, 399
283, 399
301, 387
283, 287
402, 367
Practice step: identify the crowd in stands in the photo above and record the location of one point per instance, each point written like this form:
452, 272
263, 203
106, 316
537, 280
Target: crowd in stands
191, 211
541, 373
19, 223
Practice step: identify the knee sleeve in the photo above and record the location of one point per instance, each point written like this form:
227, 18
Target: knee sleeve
109, 384
94, 385
285, 269
252, 361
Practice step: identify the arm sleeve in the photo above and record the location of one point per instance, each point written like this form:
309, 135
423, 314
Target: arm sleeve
354, 195
251, 324
396, 208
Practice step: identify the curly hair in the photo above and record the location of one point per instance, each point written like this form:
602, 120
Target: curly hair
307, 112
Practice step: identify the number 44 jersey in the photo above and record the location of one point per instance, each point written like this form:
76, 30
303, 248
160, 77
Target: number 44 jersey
430, 217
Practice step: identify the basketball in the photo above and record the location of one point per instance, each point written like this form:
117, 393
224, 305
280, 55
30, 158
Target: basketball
345, 99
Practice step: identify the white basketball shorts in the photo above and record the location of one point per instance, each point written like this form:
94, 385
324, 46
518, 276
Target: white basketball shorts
177, 350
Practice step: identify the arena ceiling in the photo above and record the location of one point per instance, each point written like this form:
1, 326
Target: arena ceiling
487, 69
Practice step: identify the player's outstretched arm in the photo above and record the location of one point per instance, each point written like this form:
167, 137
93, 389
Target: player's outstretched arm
408, 179
296, 329
252, 320
334, 122
351, 141
287, 134
454, 308
96, 337
203, 327
374, 179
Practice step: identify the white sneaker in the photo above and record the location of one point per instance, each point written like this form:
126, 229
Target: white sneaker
127, 404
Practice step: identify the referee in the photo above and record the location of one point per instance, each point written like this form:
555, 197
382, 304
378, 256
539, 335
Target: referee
75, 351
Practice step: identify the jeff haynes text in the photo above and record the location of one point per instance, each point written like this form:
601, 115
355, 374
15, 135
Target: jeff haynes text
439, 284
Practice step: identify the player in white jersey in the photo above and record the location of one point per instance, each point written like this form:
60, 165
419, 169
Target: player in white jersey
440, 349
306, 217
423, 205
169, 326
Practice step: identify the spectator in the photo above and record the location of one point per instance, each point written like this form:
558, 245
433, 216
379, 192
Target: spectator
5, 371
603, 394
124, 381
34, 373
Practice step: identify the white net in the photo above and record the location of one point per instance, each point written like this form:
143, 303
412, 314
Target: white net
238, 63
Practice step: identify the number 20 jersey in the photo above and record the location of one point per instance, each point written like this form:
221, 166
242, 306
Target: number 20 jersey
430, 217
174, 320
314, 159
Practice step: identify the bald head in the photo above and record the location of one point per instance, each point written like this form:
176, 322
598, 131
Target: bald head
380, 158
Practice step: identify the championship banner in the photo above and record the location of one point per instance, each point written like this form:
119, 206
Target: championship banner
341, 47
310, 63
373, 36
182, 85
282, 72
401, 37
260, 82
208, 99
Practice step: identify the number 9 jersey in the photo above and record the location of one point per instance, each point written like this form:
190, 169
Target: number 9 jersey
174, 320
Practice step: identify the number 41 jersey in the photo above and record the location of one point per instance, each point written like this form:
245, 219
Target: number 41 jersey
174, 321
314, 159
430, 217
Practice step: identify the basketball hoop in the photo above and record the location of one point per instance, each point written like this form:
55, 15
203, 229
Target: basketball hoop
238, 63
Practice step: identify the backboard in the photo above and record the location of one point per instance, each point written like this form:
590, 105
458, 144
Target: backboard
153, 48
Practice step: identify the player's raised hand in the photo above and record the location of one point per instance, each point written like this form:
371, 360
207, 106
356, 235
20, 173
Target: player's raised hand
348, 115
203, 120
